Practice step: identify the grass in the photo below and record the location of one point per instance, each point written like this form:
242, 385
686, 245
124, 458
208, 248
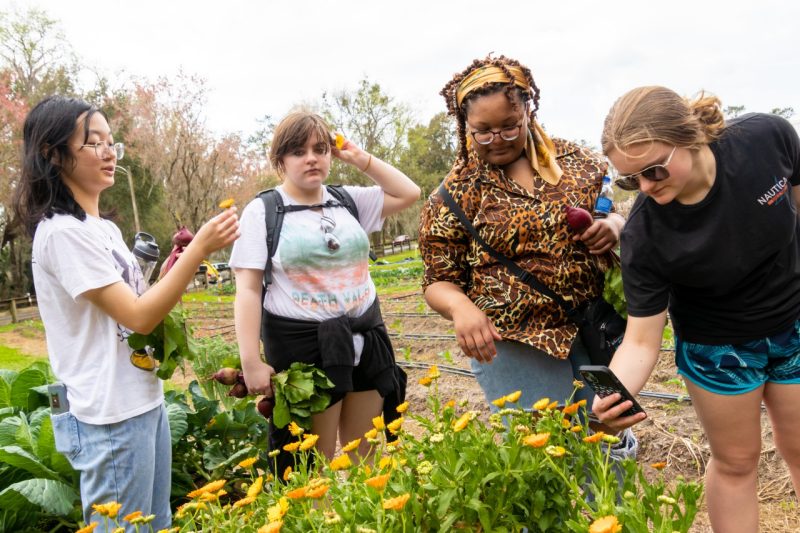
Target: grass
13, 359
204, 296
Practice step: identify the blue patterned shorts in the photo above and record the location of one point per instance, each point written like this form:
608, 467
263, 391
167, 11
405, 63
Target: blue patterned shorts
741, 368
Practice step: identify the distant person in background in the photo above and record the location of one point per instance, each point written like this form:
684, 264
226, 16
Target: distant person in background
111, 425
512, 181
321, 307
714, 237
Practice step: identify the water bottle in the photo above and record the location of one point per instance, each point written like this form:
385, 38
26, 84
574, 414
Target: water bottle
145, 249
606, 199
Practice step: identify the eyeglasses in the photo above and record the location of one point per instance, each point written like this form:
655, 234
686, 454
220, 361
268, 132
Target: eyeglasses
327, 225
487, 136
101, 148
658, 172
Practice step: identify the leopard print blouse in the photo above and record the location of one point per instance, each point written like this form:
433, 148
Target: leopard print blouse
529, 228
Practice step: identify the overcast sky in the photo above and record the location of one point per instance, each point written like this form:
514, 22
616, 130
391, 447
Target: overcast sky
263, 57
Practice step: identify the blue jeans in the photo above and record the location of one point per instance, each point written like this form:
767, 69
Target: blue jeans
522, 367
128, 462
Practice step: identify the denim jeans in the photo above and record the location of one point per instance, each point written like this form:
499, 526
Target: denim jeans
522, 367
128, 462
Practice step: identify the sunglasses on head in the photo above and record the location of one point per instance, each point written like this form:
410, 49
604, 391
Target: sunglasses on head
657, 172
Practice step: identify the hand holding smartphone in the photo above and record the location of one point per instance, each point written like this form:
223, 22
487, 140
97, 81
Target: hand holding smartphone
605, 383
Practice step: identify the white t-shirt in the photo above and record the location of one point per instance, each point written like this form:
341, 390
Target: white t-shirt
309, 281
88, 349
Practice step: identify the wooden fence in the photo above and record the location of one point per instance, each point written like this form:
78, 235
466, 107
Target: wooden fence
18, 309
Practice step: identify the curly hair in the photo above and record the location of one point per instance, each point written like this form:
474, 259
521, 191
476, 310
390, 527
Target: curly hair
658, 114
510, 88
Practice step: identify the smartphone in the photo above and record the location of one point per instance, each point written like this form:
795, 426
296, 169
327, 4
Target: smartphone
57, 394
604, 383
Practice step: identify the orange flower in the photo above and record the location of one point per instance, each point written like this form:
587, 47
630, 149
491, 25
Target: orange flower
462, 422
450, 405
576, 429
297, 493
402, 408
292, 446
255, 489
225, 204
378, 482
294, 429
552, 405
395, 504
341, 462
395, 425
606, 524
272, 527
109, 509
659, 465
425, 381
573, 408
352, 445
309, 441
594, 438
129, 517
247, 463
317, 492
287, 473
88, 528
214, 486
247, 500
537, 440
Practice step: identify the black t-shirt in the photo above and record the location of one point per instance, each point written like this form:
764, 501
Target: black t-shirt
728, 267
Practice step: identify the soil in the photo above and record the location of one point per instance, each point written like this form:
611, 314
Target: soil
671, 433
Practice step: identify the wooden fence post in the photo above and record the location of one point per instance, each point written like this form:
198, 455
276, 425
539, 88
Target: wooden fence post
13, 311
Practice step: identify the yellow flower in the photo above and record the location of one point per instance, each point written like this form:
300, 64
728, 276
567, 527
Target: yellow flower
371, 434
308, 442
332, 517
378, 424
273, 453
386, 461
208, 497
541, 404
287, 473
255, 489
425, 381
450, 405
131, 516
292, 446
395, 425
250, 461
462, 422
272, 527
214, 486
276, 512
294, 429
338, 141
594, 438
122, 530
395, 504
577, 384
352, 445
225, 204
514, 396
536, 440
555, 451
109, 509
341, 462
552, 405
576, 429
606, 524
659, 465
247, 500
565, 423
433, 372
88, 528
378, 482
402, 408
500, 402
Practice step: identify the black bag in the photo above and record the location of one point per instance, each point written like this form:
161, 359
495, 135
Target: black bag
600, 327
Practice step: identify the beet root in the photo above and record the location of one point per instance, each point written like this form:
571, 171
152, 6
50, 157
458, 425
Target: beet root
239, 390
578, 218
227, 376
265, 406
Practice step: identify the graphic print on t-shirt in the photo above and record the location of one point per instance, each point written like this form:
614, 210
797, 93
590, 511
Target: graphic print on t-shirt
776, 193
325, 279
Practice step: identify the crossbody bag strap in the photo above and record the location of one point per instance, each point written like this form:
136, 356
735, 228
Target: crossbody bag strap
528, 278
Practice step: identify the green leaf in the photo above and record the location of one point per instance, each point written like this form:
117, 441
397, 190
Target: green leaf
178, 423
54, 497
19, 458
8, 430
280, 413
21, 395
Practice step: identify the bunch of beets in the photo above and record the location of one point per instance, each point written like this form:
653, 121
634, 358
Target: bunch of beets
234, 378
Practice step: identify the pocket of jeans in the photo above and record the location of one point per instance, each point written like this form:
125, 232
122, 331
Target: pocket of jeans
66, 435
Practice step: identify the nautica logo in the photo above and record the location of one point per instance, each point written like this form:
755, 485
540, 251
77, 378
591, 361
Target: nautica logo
775, 193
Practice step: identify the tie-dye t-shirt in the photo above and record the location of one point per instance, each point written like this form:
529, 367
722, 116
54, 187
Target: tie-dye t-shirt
310, 281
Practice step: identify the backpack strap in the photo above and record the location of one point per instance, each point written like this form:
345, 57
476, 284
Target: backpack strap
273, 218
344, 198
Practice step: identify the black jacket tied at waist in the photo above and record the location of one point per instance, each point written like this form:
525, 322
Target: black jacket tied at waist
329, 345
